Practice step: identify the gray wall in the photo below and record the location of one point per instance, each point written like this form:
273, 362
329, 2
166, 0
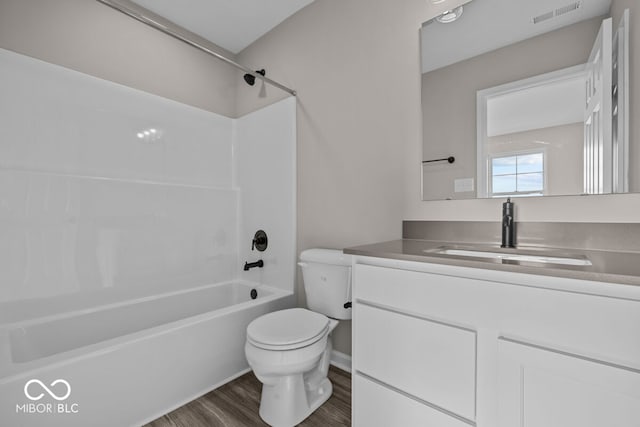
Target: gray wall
355, 65
453, 89
92, 38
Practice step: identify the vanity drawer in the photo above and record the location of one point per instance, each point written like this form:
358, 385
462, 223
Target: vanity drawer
378, 406
593, 326
432, 361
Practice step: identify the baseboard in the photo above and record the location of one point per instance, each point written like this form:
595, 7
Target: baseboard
341, 360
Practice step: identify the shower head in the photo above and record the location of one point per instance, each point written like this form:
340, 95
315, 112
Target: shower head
251, 79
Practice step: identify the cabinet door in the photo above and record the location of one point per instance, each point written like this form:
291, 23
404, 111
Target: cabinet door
544, 388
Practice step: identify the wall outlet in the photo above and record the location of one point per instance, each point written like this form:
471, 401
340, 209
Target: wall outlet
463, 185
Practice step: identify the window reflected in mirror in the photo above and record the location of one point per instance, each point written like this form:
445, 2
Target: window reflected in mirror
558, 87
517, 174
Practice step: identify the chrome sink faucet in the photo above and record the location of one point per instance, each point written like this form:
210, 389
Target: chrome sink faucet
508, 225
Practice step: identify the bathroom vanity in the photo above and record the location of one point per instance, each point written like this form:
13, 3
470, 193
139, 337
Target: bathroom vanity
453, 341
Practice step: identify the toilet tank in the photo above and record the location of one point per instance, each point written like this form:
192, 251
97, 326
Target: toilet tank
326, 274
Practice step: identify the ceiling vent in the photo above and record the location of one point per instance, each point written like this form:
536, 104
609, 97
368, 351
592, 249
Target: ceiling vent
540, 18
568, 8
558, 12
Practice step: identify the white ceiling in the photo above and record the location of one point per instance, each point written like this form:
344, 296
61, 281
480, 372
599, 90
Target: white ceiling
487, 25
231, 24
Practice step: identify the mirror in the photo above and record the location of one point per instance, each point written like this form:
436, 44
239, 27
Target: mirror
528, 98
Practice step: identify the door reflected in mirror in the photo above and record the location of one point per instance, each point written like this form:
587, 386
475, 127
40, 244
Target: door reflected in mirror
531, 98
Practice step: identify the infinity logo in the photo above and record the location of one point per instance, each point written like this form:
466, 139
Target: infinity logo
52, 394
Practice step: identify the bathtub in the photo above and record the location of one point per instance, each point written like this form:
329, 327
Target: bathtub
128, 363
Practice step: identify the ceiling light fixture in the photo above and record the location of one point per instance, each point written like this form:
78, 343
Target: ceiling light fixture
450, 16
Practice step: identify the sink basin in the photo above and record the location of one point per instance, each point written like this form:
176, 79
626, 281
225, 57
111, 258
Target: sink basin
542, 259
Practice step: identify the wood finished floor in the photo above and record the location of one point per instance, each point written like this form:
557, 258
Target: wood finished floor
236, 405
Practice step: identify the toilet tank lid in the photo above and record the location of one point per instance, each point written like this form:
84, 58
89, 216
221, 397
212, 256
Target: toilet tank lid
326, 256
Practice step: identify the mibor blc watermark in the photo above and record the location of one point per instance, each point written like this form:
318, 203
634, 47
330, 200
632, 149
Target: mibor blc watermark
35, 390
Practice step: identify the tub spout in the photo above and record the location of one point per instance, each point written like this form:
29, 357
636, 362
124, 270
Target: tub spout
249, 265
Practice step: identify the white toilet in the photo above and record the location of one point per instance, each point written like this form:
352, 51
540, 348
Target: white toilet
289, 350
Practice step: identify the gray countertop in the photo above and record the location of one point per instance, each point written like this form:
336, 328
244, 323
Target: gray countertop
607, 266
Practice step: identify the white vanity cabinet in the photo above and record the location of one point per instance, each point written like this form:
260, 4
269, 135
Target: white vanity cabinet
438, 345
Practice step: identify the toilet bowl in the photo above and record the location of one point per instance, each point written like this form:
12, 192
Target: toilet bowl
289, 350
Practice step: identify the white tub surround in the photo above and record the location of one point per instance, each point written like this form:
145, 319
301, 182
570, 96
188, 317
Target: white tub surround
265, 173
105, 189
122, 214
109, 190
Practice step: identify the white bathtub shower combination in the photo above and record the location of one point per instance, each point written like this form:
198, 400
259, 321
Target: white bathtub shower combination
129, 363
126, 219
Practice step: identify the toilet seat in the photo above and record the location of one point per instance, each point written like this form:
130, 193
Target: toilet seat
287, 329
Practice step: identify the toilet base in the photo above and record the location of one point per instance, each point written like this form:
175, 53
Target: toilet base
288, 402
294, 382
